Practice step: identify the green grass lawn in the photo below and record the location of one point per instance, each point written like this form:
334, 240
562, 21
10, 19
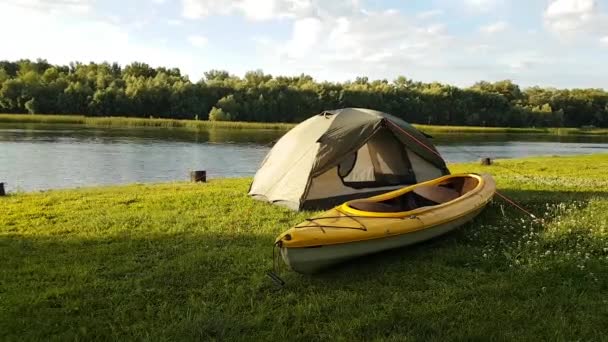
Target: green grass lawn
185, 261
204, 124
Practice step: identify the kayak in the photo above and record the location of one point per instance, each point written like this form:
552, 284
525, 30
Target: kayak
395, 219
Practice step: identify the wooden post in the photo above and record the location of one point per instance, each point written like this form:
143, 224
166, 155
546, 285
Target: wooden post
198, 176
2, 192
486, 161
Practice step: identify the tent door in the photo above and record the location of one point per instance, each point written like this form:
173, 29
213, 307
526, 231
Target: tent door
382, 161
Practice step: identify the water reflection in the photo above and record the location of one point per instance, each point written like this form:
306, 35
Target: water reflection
34, 156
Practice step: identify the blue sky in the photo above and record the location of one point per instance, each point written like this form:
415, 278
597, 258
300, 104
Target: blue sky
561, 43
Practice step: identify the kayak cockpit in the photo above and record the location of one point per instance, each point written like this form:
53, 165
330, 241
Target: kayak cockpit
422, 195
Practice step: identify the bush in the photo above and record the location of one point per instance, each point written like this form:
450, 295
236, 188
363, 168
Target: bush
218, 114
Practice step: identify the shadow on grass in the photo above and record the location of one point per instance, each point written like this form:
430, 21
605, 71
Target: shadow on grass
213, 286
128, 287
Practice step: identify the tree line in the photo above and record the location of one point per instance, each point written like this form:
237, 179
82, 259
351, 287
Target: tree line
138, 90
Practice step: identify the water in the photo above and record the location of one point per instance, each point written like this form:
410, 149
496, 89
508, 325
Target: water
38, 157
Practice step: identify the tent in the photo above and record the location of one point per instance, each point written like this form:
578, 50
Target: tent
344, 154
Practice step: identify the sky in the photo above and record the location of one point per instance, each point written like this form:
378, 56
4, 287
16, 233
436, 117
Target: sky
554, 43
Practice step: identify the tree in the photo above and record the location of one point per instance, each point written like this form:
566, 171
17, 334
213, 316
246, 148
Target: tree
137, 69
216, 75
229, 105
257, 77
11, 96
140, 90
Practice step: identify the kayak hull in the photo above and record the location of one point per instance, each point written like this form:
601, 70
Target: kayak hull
309, 260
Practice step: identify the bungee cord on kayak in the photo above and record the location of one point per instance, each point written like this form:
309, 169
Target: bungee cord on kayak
504, 197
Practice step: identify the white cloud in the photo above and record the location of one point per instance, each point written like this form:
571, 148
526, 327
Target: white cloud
568, 18
363, 43
174, 22
435, 29
194, 9
560, 8
481, 48
271, 9
387, 43
521, 61
306, 35
197, 40
497, 27
482, 5
429, 14
52, 6
67, 34
604, 40
262, 40
139, 24
259, 10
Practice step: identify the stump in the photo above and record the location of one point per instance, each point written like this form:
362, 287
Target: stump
198, 176
2, 192
486, 161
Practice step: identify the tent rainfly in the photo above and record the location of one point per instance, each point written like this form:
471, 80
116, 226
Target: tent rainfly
343, 154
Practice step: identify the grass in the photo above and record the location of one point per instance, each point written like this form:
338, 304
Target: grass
204, 124
183, 261
512, 130
138, 122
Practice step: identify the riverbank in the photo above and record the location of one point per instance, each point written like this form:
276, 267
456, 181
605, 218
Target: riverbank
182, 261
205, 124
138, 122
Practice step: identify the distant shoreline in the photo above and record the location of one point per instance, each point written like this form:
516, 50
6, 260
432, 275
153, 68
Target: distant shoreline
116, 121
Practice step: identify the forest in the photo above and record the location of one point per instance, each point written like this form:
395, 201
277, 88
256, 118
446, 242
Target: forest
139, 90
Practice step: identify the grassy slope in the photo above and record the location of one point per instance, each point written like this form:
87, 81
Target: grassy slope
184, 261
201, 124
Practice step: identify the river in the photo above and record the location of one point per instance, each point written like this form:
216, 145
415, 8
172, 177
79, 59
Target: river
39, 157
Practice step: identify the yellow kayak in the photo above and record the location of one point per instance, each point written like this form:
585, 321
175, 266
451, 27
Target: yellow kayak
395, 219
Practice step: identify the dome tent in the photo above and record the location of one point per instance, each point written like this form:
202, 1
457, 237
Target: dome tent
344, 154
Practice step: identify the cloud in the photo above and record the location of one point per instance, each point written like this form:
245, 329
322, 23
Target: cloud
260, 10
387, 43
569, 18
197, 40
52, 6
497, 27
305, 36
369, 42
174, 22
263, 9
194, 9
434, 29
481, 5
604, 40
559, 8
66, 34
522, 61
429, 14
